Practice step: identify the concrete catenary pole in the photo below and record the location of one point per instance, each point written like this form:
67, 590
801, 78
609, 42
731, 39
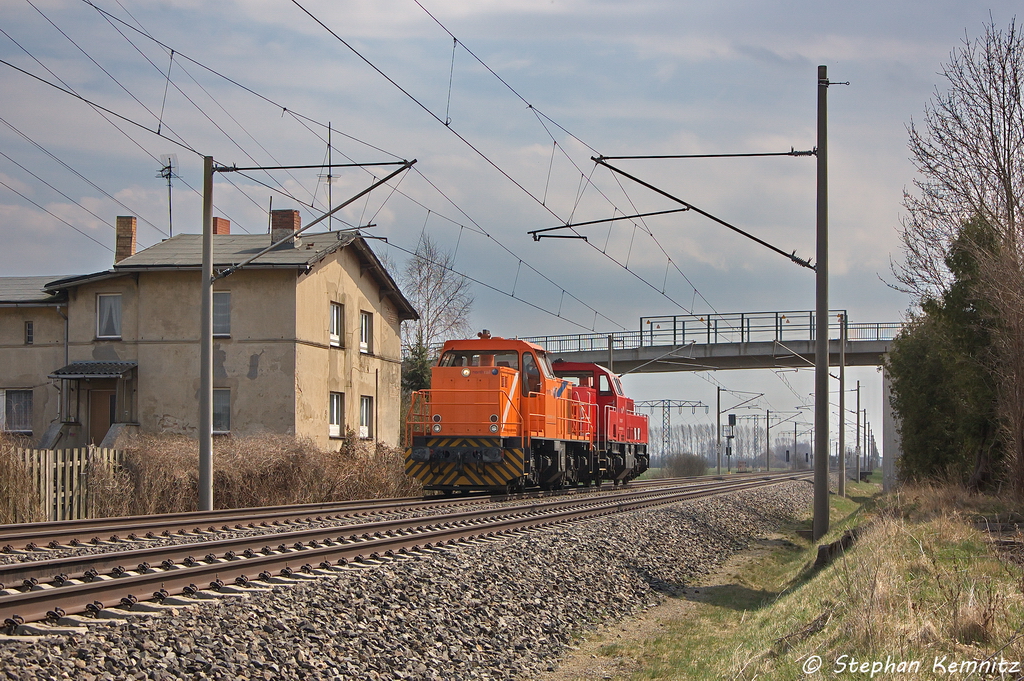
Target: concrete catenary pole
821, 401
718, 425
206, 347
842, 404
858, 431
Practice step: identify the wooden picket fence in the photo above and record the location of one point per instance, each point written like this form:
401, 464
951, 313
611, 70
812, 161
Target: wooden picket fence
61, 477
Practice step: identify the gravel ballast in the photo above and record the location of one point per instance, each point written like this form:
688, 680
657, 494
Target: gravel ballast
502, 609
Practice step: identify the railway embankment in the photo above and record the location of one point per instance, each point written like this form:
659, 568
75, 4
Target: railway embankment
933, 587
498, 608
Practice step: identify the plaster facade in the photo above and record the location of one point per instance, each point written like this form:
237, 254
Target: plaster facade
275, 358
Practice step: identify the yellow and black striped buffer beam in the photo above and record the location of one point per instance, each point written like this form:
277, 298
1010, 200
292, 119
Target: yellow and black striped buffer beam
476, 474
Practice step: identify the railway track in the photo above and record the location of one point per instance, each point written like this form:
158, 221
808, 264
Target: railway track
111, 583
30, 538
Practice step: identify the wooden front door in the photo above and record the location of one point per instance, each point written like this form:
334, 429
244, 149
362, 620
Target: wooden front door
102, 409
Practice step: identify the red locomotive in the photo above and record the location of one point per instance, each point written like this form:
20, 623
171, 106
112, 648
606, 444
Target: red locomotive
501, 416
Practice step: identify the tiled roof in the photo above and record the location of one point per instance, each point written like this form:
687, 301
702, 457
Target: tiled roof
186, 250
94, 370
27, 290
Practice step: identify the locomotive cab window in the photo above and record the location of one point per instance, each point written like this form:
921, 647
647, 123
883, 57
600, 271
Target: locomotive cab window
581, 380
531, 374
603, 385
469, 358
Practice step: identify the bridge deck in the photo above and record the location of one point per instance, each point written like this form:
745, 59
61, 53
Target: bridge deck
737, 341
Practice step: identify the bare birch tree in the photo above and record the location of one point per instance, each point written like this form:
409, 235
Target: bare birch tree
440, 295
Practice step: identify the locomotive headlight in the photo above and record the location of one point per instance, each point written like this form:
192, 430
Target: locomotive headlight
436, 418
494, 427
465, 372
437, 428
494, 418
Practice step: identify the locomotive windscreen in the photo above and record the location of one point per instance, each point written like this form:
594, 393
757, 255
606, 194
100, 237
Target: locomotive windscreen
476, 358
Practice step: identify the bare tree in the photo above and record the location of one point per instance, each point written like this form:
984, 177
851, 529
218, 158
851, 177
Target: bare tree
440, 295
970, 157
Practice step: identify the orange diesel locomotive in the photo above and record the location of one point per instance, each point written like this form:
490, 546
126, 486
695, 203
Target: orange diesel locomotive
500, 416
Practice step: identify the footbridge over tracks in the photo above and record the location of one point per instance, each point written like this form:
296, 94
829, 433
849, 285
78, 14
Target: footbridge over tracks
746, 340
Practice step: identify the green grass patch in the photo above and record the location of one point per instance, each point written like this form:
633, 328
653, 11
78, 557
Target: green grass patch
921, 584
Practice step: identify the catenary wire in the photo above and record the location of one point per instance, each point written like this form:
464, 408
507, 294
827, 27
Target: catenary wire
303, 120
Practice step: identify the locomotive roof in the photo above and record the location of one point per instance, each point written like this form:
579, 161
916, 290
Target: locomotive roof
490, 343
562, 365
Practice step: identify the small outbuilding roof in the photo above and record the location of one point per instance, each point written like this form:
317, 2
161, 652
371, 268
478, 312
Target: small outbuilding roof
28, 291
94, 370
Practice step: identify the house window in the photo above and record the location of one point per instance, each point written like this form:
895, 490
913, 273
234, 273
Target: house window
108, 315
337, 324
337, 418
366, 332
16, 416
30, 335
221, 410
222, 313
366, 417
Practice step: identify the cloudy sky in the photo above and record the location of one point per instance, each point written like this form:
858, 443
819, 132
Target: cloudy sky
503, 119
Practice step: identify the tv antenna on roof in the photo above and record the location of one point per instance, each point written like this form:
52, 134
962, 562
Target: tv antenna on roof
169, 170
329, 179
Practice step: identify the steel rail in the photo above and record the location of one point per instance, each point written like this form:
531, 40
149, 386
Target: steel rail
40, 602
33, 536
73, 567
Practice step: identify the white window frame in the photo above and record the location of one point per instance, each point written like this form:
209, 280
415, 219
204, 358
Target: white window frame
30, 332
336, 414
117, 320
366, 417
4, 407
220, 392
366, 332
222, 326
336, 325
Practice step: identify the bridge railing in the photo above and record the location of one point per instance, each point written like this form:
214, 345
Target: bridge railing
744, 327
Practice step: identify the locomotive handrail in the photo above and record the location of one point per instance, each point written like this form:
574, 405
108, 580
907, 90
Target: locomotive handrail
569, 420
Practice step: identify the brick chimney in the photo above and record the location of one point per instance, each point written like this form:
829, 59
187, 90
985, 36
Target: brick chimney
283, 223
124, 245
221, 226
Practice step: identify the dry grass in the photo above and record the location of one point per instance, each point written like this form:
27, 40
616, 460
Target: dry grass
922, 582
19, 502
160, 474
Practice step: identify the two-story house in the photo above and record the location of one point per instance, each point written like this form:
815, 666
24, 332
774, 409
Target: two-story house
306, 341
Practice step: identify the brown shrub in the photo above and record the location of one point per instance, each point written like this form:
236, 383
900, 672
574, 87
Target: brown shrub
160, 474
19, 499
